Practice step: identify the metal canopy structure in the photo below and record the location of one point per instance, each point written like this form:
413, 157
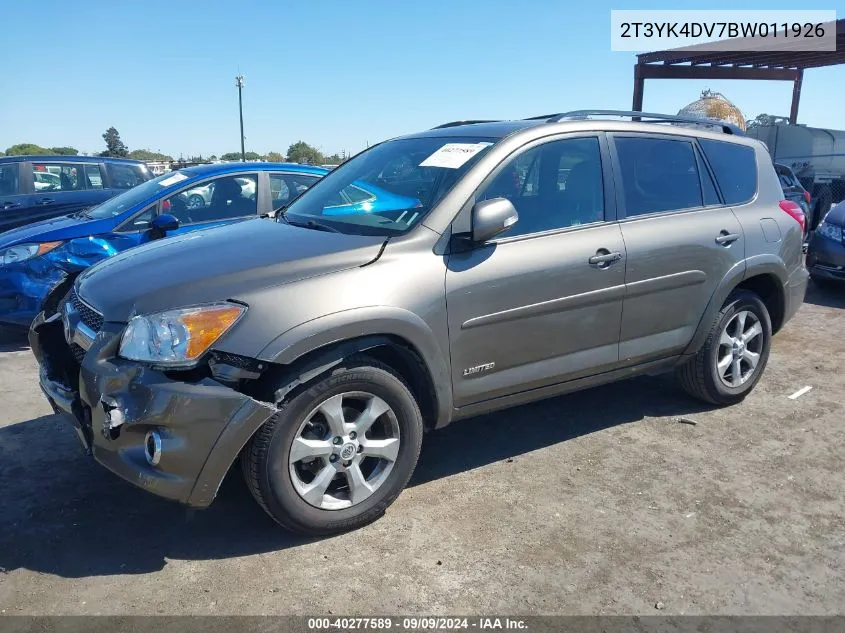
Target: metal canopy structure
701, 62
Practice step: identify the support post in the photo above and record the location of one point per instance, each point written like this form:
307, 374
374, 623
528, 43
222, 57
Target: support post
796, 97
639, 84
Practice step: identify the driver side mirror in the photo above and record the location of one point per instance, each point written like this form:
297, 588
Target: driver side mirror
161, 224
491, 217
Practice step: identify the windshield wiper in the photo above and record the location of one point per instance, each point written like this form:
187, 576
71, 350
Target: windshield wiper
82, 213
312, 224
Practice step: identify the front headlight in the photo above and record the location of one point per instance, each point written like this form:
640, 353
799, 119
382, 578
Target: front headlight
177, 338
23, 252
830, 231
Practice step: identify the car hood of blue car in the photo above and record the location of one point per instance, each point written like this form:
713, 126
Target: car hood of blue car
56, 229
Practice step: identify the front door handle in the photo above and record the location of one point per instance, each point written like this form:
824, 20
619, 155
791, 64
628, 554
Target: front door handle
726, 239
604, 257
9, 205
45, 201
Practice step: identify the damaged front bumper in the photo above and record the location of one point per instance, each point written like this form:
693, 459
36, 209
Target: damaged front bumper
116, 406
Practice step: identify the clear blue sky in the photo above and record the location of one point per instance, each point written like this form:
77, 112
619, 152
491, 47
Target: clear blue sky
337, 74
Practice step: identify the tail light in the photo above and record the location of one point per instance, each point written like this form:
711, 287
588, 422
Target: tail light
795, 211
807, 197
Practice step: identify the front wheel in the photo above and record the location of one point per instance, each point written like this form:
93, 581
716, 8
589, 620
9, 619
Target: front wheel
734, 355
336, 455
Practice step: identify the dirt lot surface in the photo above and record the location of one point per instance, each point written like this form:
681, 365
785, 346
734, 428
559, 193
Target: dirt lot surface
606, 501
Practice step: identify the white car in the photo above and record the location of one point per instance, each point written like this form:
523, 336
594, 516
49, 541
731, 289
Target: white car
46, 181
201, 196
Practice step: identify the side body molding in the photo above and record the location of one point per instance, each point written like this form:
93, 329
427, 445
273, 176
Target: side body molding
369, 321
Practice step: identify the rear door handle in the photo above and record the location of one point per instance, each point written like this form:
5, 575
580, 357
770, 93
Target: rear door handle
9, 205
604, 257
726, 239
45, 201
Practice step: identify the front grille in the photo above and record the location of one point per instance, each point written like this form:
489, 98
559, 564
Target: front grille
89, 316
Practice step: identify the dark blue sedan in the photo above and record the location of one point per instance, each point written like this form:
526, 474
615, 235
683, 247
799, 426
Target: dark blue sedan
36, 258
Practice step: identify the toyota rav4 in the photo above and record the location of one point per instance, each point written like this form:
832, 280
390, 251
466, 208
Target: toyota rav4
510, 261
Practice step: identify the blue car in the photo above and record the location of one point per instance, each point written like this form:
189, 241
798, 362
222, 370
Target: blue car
38, 257
34, 188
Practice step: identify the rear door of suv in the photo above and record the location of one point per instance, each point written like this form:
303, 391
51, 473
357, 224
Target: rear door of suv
59, 188
681, 239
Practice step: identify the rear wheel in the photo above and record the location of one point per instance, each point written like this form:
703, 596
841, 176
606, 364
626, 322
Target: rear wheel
196, 201
734, 355
336, 455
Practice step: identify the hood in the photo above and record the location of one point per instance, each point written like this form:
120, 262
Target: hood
836, 215
55, 229
217, 264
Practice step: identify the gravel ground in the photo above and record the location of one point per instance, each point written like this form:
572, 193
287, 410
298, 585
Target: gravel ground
606, 501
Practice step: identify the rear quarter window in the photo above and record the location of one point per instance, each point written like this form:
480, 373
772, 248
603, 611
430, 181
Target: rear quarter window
127, 176
735, 167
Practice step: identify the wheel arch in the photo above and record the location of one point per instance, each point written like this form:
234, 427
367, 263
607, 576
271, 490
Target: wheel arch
765, 275
394, 336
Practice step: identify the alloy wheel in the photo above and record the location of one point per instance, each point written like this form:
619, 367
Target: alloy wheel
344, 451
739, 350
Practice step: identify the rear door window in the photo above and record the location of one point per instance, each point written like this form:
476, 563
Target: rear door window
286, 187
49, 177
127, 176
735, 167
658, 174
94, 177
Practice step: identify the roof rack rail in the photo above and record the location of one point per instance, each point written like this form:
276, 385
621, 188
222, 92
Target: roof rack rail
468, 122
648, 117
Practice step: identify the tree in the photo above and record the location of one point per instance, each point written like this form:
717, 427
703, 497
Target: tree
302, 152
65, 151
114, 145
149, 155
236, 156
275, 157
764, 119
24, 149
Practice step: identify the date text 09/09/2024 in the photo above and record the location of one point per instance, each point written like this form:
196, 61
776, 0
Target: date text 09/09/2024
417, 624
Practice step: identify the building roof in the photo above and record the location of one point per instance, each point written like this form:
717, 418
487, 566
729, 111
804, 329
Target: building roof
785, 58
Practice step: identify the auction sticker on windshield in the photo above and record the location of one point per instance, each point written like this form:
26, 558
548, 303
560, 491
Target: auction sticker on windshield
453, 155
172, 180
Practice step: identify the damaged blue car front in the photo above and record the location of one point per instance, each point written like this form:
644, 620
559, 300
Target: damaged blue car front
36, 258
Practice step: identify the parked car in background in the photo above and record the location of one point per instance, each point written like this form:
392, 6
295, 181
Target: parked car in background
36, 258
532, 258
793, 190
34, 188
826, 252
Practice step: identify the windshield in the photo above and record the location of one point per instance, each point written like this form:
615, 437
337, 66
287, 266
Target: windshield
137, 195
390, 187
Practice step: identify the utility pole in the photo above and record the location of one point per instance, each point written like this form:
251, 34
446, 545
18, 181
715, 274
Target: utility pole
239, 82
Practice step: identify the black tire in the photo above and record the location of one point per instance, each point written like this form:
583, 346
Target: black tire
264, 461
699, 376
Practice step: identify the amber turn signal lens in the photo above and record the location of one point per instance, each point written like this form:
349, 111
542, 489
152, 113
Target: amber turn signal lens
206, 326
46, 247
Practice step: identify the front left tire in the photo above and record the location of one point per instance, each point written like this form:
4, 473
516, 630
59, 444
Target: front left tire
337, 454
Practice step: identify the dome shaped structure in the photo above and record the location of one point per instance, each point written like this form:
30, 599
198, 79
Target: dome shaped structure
714, 105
